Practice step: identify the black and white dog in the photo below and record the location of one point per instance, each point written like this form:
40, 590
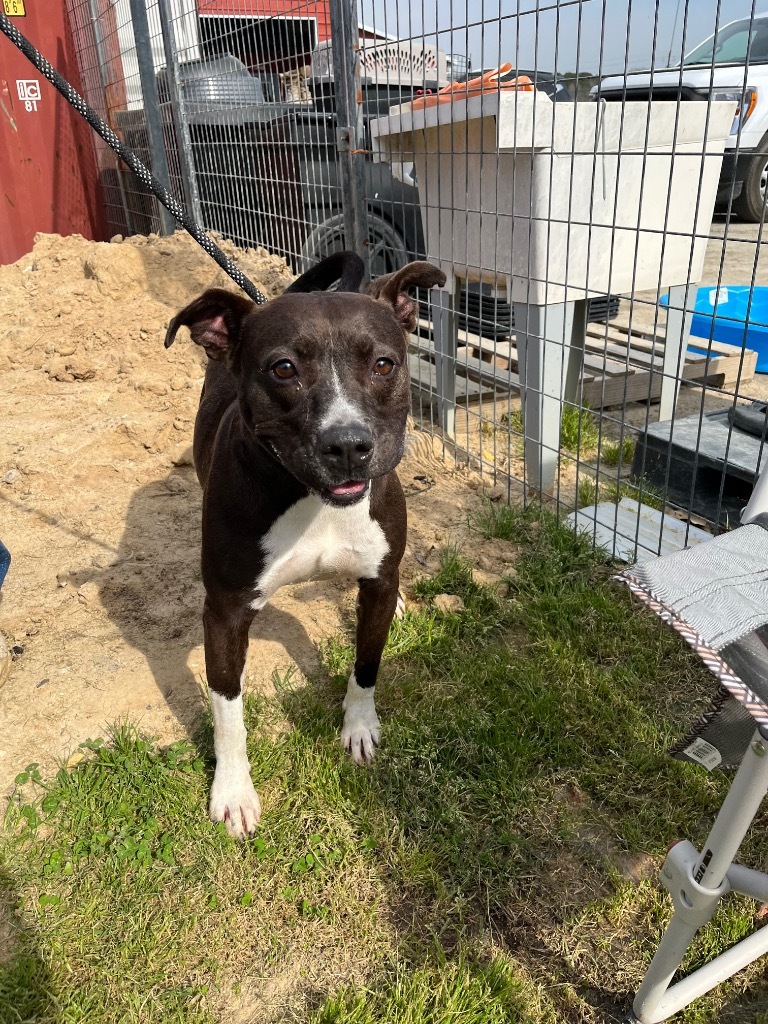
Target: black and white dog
300, 426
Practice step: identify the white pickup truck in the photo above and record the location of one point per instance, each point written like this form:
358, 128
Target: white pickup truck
731, 64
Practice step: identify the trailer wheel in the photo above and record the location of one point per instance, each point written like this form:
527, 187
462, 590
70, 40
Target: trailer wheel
387, 246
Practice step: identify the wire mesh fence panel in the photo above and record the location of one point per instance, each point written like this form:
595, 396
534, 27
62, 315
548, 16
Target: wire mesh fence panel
590, 176
595, 223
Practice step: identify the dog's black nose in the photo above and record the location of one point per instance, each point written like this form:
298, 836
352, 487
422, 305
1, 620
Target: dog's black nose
346, 448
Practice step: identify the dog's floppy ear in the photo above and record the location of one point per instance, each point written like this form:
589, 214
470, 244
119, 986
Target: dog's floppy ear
393, 289
345, 267
214, 320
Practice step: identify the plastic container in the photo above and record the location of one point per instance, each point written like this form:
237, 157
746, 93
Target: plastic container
734, 314
553, 202
220, 81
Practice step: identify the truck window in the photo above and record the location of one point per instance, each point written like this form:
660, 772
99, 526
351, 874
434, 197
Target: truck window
731, 45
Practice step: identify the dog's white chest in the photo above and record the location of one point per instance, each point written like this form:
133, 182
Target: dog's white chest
313, 540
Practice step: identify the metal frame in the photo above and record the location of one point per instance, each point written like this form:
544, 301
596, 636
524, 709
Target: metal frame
151, 107
186, 159
698, 881
349, 125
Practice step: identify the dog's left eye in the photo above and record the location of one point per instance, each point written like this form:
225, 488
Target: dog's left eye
383, 367
284, 370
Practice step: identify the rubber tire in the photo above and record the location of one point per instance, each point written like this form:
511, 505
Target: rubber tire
388, 250
750, 203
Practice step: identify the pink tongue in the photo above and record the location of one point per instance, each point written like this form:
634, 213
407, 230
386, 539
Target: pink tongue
350, 487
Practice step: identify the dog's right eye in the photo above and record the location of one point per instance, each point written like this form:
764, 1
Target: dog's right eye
284, 370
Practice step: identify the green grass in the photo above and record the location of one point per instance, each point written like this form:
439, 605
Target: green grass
440, 992
473, 874
579, 429
589, 493
613, 453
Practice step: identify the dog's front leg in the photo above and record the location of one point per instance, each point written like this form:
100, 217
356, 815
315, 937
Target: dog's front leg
233, 797
376, 604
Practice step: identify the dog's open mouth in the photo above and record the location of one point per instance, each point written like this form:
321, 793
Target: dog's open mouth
348, 492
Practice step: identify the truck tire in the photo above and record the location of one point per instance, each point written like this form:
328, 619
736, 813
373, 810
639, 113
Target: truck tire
387, 246
749, 205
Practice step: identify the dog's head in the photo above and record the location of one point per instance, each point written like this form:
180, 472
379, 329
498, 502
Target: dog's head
322, 377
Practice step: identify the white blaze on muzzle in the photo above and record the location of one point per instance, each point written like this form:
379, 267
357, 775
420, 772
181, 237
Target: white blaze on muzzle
341, 410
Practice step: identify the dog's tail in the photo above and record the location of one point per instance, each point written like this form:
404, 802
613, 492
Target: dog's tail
345, 267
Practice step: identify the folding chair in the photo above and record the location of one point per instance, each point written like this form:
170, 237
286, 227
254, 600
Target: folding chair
715, 595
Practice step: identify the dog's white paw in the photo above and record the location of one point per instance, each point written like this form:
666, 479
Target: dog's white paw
360, 738
235, 802
361, 731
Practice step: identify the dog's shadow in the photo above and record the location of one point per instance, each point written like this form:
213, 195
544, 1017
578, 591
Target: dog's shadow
153, 592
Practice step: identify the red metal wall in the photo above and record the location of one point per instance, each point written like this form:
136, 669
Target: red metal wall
274, 9
48, 173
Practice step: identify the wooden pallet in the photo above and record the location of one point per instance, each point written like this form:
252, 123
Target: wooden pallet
472, 386
424, 378
620, 365
477, 380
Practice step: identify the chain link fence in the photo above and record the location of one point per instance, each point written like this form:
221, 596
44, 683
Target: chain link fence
597, 204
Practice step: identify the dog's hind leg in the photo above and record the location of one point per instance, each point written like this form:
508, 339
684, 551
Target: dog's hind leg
376, 605
233, 797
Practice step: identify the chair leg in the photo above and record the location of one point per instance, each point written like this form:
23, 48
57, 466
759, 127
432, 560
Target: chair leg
696, 884
694, 906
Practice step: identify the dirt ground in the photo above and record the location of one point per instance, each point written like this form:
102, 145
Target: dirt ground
100, 506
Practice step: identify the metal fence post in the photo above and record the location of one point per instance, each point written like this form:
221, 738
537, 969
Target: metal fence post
102, 64
349, 124
151, 105
176, 94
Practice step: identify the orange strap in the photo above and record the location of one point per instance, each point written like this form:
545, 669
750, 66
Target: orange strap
485, 84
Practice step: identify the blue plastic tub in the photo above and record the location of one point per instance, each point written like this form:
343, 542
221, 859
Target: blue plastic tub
721, 314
